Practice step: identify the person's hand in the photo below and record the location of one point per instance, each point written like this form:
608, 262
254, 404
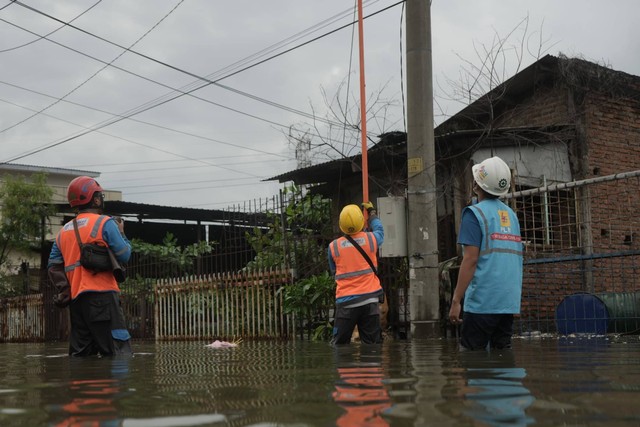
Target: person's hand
62, 299
454, 313
368, 206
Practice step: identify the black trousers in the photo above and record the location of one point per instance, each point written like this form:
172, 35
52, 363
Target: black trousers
94, 318
366, 317
482, 330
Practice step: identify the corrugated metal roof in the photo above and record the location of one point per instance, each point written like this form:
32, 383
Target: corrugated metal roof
143, 211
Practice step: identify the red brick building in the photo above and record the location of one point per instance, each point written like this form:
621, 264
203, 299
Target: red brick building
565, 126
559, 121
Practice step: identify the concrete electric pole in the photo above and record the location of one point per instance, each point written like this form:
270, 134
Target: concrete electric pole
422, 230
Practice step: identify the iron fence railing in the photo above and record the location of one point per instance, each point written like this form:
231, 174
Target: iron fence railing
223, 306
22, 318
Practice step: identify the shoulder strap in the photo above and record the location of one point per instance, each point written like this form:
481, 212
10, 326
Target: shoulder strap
75, 228
362, 252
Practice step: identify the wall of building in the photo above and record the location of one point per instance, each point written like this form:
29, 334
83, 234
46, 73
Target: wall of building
547, 106
613, 136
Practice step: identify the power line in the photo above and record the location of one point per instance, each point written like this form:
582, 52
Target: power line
150, 123
164, 175
84, 165
49, 33
96, 73
205, 79
157, 103
132, 142
180, 183
197, 188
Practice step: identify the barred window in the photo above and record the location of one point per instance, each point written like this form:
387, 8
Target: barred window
548, 220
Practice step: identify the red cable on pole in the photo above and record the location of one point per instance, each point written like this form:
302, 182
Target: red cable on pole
363, 108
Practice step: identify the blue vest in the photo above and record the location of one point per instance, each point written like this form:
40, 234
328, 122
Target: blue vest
496, 287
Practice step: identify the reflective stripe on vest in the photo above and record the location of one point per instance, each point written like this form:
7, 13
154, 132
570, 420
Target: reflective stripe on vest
354, 276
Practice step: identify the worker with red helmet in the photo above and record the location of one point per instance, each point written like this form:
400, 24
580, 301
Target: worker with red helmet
353, 261
97, 320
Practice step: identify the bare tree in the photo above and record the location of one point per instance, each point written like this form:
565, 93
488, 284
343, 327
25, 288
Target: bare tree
335, 130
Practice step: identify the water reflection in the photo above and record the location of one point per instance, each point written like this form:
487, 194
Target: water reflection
360, 389
307, 384
492, 387
93, 387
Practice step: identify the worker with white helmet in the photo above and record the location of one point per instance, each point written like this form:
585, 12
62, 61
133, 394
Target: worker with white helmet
353, 261
490, 276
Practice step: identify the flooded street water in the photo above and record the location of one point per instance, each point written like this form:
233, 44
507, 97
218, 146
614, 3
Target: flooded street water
543, 381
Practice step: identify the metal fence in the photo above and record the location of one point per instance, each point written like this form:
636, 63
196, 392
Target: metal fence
582, 255
223, 306
22, 318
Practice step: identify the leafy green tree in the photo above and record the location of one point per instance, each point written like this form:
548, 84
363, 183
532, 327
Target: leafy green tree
295, 238
175, 259
171, 260
24, 208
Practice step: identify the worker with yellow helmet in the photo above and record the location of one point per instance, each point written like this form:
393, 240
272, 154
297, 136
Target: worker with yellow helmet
353, 261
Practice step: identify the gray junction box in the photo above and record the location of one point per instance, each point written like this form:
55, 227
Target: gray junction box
393, 214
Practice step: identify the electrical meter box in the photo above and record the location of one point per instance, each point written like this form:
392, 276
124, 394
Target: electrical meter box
392, 212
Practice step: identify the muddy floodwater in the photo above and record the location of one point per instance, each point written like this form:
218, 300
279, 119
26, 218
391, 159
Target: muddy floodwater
542, 381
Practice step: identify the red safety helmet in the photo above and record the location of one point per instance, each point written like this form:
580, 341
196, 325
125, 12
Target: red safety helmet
81, 190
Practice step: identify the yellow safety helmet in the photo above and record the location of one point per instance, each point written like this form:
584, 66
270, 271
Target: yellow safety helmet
351, 219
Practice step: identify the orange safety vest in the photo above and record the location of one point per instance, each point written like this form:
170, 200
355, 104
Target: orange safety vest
361, 393
90, 227
353, 273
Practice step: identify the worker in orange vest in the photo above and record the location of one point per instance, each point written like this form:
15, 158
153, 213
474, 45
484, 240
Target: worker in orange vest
353, 261
97, 320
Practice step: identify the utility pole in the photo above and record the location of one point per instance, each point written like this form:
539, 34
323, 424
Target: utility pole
422, 228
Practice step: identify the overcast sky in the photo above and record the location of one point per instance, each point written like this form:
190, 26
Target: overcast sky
196, 112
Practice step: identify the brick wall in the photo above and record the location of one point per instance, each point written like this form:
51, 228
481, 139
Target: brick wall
547, 106
612, 133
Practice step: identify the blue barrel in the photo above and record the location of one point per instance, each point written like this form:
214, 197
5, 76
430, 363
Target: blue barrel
582, 314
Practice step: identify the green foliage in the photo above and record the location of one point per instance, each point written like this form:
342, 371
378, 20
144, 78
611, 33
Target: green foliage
25, 206
172, 261
310, 300
170, 252
295, 238
137, 286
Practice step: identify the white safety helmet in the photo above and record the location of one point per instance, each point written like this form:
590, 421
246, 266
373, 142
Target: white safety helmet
493, 176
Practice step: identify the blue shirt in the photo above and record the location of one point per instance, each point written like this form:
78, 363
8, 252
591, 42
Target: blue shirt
470, 232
